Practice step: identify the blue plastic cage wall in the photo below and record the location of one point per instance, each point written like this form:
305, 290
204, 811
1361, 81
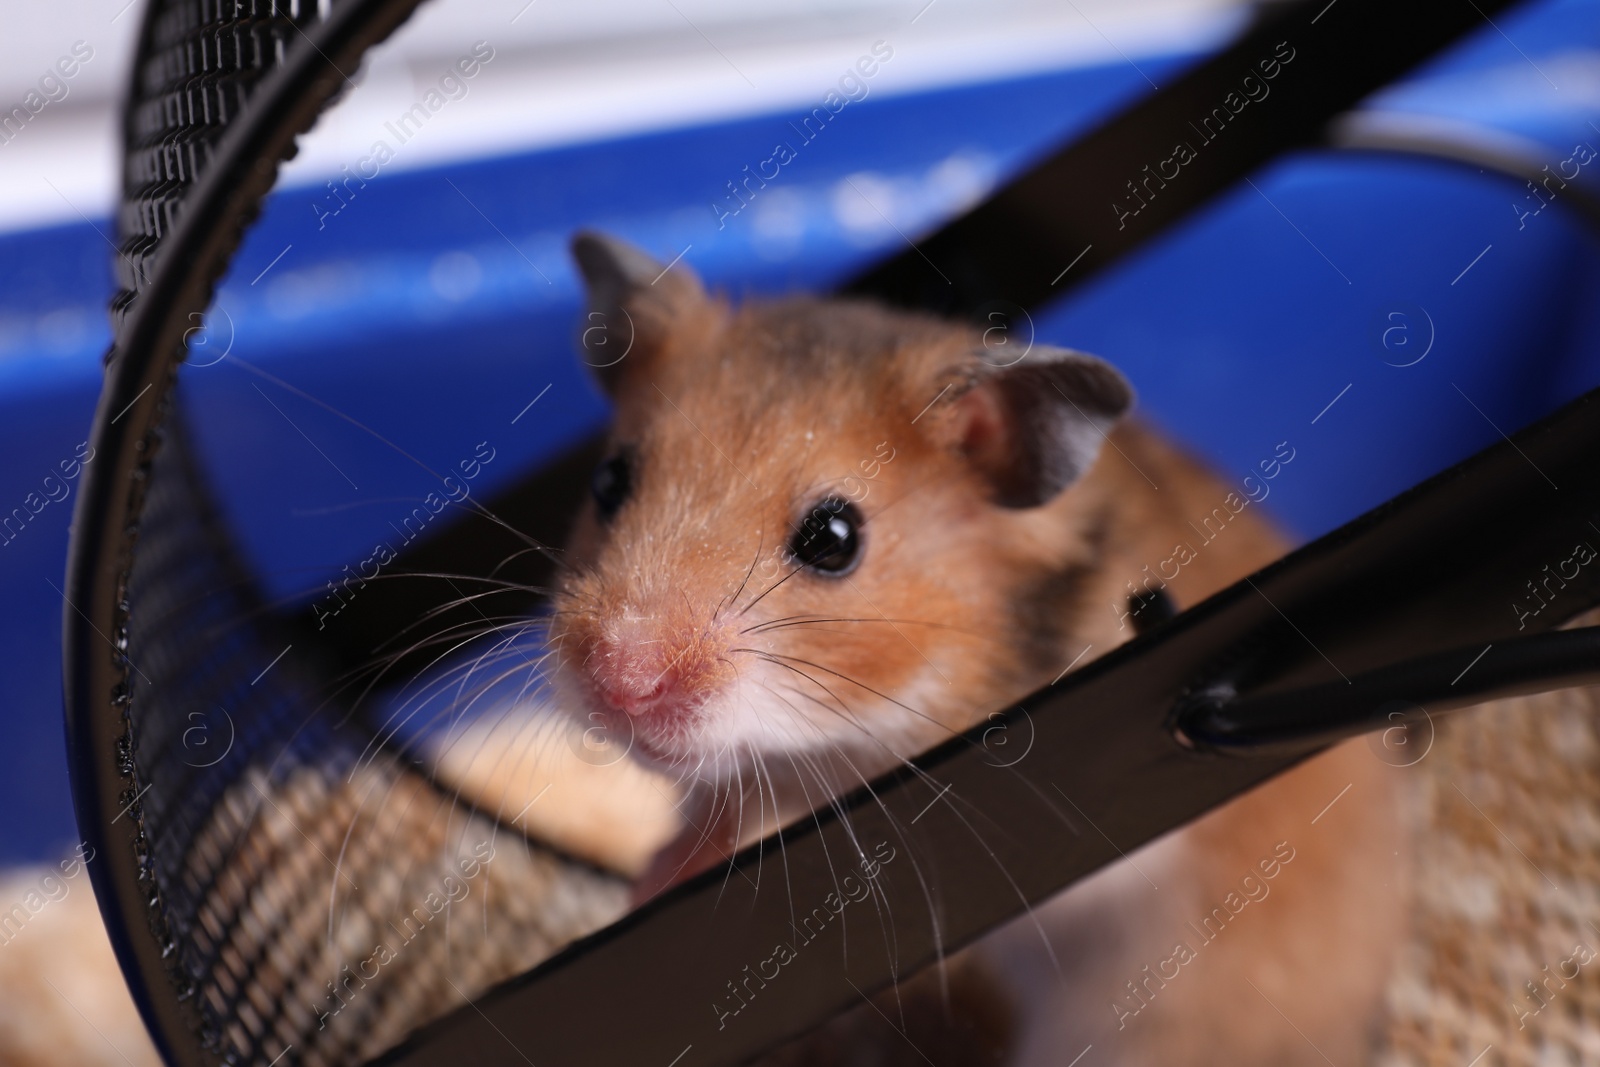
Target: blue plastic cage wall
1328, 247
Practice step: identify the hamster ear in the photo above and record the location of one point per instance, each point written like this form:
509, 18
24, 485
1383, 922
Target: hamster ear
1034, 428
634, 302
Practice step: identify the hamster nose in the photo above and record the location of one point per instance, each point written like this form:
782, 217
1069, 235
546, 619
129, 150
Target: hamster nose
637, 696
654, 667
637, 676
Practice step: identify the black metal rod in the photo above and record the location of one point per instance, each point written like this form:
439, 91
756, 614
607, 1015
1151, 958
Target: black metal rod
1303, 720
1112, 190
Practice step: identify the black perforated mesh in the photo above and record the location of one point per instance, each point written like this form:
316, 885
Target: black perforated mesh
198, 62
290, 860
312, 892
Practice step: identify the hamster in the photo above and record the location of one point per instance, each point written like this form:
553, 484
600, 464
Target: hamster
827, 536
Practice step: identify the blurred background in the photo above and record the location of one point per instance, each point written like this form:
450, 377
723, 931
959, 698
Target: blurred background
1385, 307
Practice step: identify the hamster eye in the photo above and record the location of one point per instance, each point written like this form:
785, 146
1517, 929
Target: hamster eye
829, 539
612, 482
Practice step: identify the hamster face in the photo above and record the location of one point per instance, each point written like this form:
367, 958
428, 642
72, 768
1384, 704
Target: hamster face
811, 534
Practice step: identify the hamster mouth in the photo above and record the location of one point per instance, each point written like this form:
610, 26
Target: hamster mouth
647, 682
664, 736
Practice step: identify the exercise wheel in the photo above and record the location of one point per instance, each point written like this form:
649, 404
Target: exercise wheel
222, 874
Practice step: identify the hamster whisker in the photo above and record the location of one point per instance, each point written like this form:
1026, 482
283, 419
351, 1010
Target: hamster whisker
756, 627
687, 775
794, 571
761, 811
775, 657
734, 599
965, 822
267, 607
502, 584
831, 797
859, 684
529, 734
395, 781
455, 800
847, 716
268, 772
462, 632
738, 795
844, 713
434, 685
495, 570
454, 576
713, 820
493, 654
922, 880
772, 787
477, 508
833, 802
377, 668
804, 620
466, 600
460, 710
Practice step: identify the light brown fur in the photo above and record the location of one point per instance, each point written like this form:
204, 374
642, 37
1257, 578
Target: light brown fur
740, 418
1317, 948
